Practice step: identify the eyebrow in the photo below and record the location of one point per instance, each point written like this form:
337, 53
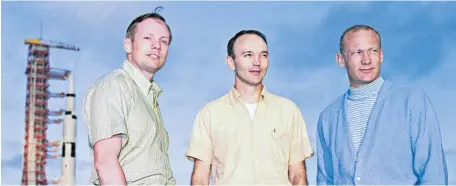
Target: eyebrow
262, 52
245, 52
162, 37
359, 49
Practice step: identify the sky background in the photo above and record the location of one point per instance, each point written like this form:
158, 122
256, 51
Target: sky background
419, 41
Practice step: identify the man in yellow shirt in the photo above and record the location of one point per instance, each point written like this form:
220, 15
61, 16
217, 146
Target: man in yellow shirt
249, 135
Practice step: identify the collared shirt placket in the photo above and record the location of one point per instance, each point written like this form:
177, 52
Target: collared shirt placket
162, 136
253, 139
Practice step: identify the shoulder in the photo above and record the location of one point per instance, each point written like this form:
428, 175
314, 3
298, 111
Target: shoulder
411, 96
110, 93
216, 104
281, 102
114, 87
327, 117
405, 89
114, 82
212, 110
333, 108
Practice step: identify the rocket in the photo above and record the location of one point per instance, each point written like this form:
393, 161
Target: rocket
69, 134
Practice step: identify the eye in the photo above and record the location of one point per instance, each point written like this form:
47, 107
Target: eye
357, 53
164, 42
265, 55
248, 55
147, 37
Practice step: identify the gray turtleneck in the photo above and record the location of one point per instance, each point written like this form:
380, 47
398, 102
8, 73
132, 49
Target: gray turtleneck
359, 105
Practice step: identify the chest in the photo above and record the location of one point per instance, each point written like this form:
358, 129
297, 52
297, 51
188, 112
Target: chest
386, 132
234, 133
144, 121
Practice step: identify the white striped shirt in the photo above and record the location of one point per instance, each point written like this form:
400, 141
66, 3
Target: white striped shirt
359, 105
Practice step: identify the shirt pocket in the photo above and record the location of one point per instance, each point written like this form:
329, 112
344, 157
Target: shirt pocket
280, 145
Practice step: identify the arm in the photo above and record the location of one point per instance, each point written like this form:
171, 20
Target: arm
299, 151
297, 173
200, 148
106, 164
429, 159
104, 112
200, 175
324, 158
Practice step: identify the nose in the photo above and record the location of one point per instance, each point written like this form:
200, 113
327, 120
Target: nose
155, 44
366, 58
256, 61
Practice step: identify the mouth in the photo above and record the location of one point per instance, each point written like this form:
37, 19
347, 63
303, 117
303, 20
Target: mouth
366, 70
255, 72
153, 56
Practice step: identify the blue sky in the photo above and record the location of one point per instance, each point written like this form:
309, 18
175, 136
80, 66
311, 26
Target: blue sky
419, 40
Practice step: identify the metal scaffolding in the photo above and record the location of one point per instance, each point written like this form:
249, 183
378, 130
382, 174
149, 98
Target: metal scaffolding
36, 146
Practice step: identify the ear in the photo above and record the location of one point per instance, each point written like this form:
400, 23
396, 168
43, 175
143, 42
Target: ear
340, 60
381, 56
230, 62
127, 45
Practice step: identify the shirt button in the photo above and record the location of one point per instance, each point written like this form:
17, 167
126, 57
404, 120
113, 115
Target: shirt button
358, 178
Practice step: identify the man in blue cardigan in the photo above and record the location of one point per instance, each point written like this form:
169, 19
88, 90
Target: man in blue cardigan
378, 132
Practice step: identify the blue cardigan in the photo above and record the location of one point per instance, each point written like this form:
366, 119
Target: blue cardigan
401, 145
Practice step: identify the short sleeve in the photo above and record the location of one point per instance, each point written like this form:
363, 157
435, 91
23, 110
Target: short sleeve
300, 143
104, 110
200, 140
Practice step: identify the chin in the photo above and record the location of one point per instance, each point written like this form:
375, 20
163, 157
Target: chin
367, 77
154, 66
367, 80
256, 83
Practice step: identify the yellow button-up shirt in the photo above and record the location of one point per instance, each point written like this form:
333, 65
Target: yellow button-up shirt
245, 151
125, 102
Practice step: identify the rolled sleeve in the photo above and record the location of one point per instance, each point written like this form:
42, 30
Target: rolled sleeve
200, 140
300, 143
104, 113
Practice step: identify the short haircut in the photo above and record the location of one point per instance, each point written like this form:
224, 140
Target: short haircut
230, 47
131, 30
356, 28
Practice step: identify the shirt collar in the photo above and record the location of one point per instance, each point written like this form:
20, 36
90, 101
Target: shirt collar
366, 90
144, 84
234, 95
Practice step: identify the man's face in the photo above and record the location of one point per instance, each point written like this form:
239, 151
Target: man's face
251, 59
149, 47
362, 57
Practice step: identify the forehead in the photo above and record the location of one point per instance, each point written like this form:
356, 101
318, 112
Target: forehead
250, 42
361, 38
152, 26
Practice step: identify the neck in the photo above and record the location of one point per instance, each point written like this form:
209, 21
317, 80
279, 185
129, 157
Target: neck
249, 93
366, 90
148, 75
359, 84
